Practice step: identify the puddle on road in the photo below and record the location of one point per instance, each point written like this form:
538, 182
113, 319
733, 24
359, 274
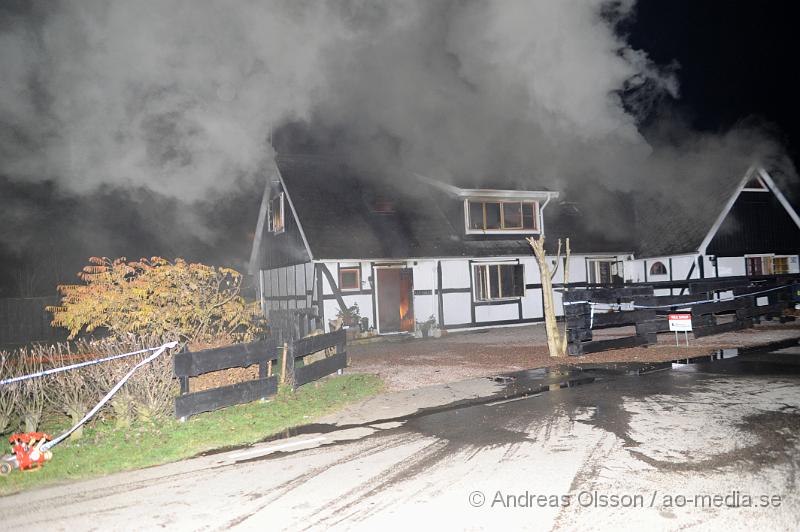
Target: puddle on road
525, 383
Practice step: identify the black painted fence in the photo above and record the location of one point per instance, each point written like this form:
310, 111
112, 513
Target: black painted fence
756, 300
268, 354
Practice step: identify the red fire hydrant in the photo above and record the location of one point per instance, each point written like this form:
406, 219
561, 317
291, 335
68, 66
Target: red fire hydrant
27, 453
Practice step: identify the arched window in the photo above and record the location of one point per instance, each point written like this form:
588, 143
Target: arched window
658, 268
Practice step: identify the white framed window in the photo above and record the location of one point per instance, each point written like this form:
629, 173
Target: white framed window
603, 270
770, 264
350, 278
501, 216
498, 281
276, 217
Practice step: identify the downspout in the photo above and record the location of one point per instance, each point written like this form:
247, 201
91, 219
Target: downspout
541, 215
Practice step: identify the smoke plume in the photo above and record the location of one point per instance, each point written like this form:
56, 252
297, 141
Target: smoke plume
180, 98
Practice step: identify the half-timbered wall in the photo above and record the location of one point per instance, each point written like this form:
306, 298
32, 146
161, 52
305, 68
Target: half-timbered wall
443, 288
289, 287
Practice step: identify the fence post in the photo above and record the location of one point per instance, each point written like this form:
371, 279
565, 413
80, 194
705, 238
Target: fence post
290, 366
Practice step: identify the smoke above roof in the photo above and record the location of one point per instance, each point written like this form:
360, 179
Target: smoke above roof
182, 98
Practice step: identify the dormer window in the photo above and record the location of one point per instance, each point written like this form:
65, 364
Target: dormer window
501, 216
381, 205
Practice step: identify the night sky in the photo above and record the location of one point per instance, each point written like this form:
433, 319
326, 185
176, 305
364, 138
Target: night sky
738, 61
736, 64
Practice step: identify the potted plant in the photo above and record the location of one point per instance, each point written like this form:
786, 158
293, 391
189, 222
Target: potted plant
426, 326
350, 318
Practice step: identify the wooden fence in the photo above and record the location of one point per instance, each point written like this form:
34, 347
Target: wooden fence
750, 303
25, 320
288, 324
271, 358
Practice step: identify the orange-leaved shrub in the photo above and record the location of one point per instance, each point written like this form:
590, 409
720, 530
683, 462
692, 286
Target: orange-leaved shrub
176, 299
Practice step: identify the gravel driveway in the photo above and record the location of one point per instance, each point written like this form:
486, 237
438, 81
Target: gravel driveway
411, 363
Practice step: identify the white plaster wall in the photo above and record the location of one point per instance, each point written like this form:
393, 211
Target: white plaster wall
532, 304
486, 313
682, 265
425, 275
457, 308
331, 308
455, 273
794, 264
731, 266
326, 286
364, 302
708, 267
577, 269
531, 270
634, 271
426, 306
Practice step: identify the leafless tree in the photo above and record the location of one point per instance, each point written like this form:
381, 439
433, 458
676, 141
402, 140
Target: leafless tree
556, 341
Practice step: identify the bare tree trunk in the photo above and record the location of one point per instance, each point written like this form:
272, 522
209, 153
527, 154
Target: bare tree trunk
556, 340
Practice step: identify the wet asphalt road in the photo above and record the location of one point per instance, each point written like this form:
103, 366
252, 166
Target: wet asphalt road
702, 446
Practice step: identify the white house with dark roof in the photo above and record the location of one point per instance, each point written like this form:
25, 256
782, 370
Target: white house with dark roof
409, 248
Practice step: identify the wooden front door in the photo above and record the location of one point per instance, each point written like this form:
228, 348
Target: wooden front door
395, 299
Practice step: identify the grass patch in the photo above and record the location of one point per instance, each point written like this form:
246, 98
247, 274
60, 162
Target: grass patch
105, 449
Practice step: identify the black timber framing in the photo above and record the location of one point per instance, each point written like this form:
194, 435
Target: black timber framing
334, 287
440, 299
320, 292
374, 294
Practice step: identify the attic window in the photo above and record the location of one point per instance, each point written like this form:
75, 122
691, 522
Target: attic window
756, 184
658, 268
350, 278
276, 214
381, 205
495, 216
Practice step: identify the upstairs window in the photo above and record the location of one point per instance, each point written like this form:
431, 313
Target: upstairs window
499, 281
381, 205
502, 216
276, 214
